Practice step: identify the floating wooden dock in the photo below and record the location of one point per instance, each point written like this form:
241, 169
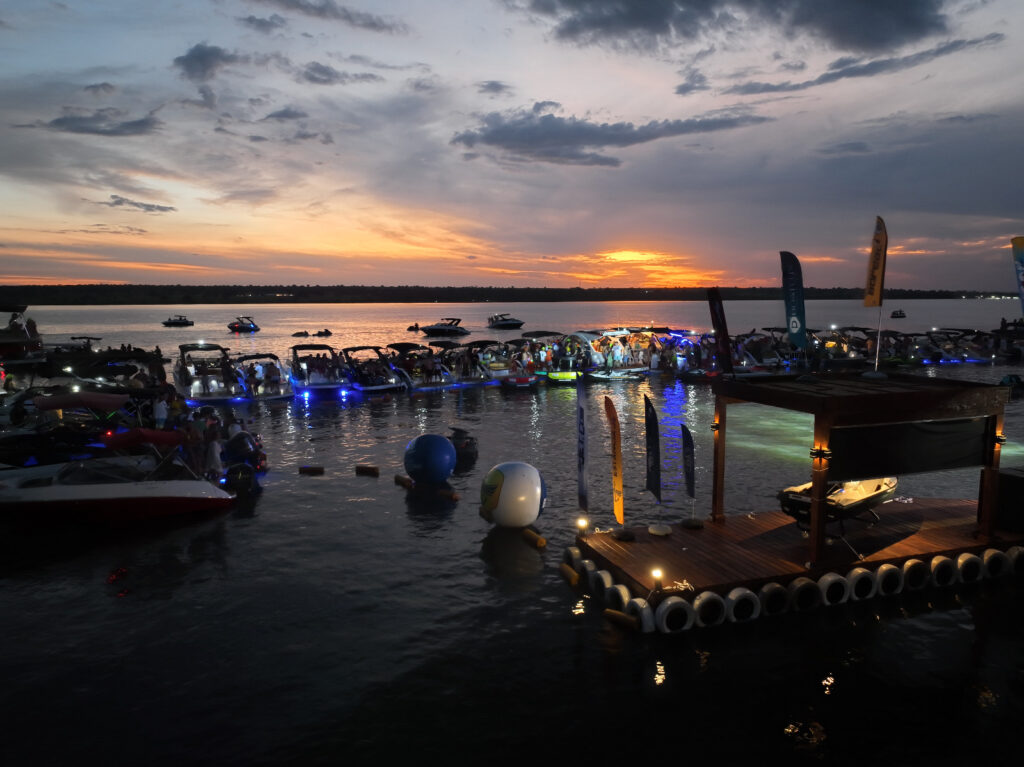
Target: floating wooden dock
736, 567
754, 549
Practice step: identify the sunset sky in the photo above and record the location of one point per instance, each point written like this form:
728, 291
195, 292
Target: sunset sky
510, 142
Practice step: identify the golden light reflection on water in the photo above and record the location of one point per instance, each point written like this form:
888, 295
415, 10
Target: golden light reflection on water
578, 608
827, 683
659, 673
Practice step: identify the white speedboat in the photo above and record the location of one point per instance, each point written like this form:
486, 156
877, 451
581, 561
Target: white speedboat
368, 370
111, 489
503, 322
447, 326
204, 373
420, 367
262, 377
316, 369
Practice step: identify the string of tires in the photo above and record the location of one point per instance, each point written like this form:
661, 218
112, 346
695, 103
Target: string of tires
674, 614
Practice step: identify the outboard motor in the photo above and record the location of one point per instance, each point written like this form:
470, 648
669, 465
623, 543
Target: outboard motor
240, 478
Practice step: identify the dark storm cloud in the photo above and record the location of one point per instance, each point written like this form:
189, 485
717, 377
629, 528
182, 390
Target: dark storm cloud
695, 81
493, 87
117, 201
100, 89
106, 229
867, 25
266, 26
528, 135
844, 69
104, 122
328, 9
323, 74
849, 147
286, 114
203, 61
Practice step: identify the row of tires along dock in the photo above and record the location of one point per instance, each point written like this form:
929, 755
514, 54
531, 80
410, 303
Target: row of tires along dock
674, 614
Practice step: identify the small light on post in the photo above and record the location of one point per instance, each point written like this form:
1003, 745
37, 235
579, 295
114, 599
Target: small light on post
656, 574
821, 453
581, 525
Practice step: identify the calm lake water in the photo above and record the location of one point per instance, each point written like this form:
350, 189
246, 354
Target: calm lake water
340, 620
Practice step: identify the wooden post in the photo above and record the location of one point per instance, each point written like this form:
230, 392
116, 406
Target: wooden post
819, 489
989, 490
718, 473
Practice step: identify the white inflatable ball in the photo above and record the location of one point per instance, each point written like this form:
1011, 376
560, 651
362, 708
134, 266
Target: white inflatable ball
512, 494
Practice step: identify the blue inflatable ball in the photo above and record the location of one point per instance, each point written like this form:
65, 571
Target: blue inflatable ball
430, 459
512, 494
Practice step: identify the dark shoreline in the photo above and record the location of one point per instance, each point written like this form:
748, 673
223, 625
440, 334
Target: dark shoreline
184, 295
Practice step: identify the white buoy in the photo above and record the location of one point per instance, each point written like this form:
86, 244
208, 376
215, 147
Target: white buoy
862, 583
997, 564
889, 579
774, 598
835, 589
970, 567
804, 594
710, 608
916, 574
599, 582
742, 605
674, 615
944, 571
617, 597
639, 608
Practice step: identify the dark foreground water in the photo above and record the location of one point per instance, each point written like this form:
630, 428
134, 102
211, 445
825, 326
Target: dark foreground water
341, 621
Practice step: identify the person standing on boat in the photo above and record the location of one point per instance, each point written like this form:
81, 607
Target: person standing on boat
160, 411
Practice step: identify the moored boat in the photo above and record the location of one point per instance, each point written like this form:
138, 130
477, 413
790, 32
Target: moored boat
316, 368
420, 367
369, 370
262, 378
204, 373
178, 321
126, 488
20, 339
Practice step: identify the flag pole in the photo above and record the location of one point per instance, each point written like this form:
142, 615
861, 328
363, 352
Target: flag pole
876, 278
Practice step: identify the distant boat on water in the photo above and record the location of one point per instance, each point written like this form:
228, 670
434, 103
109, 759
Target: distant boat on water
178, 321
898, 314
503, 322
243, 325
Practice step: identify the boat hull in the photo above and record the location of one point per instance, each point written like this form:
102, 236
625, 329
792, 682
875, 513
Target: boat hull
122, 502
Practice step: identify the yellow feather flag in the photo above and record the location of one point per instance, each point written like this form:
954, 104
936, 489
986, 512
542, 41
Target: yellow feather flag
876, 265
613, 425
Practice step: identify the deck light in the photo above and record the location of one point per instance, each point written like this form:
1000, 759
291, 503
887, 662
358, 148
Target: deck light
581, 525
656, 574
821, 453
1000, 439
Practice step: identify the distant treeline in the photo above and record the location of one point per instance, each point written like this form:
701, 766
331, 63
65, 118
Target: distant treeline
182, 295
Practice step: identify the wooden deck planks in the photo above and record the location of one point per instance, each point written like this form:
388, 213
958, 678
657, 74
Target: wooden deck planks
751, 550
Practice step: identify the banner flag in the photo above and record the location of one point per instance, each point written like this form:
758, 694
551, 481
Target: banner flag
722, 341
582, 493
876, 265
793, 293
688, 470
613, 425
653, 449
1018, 264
